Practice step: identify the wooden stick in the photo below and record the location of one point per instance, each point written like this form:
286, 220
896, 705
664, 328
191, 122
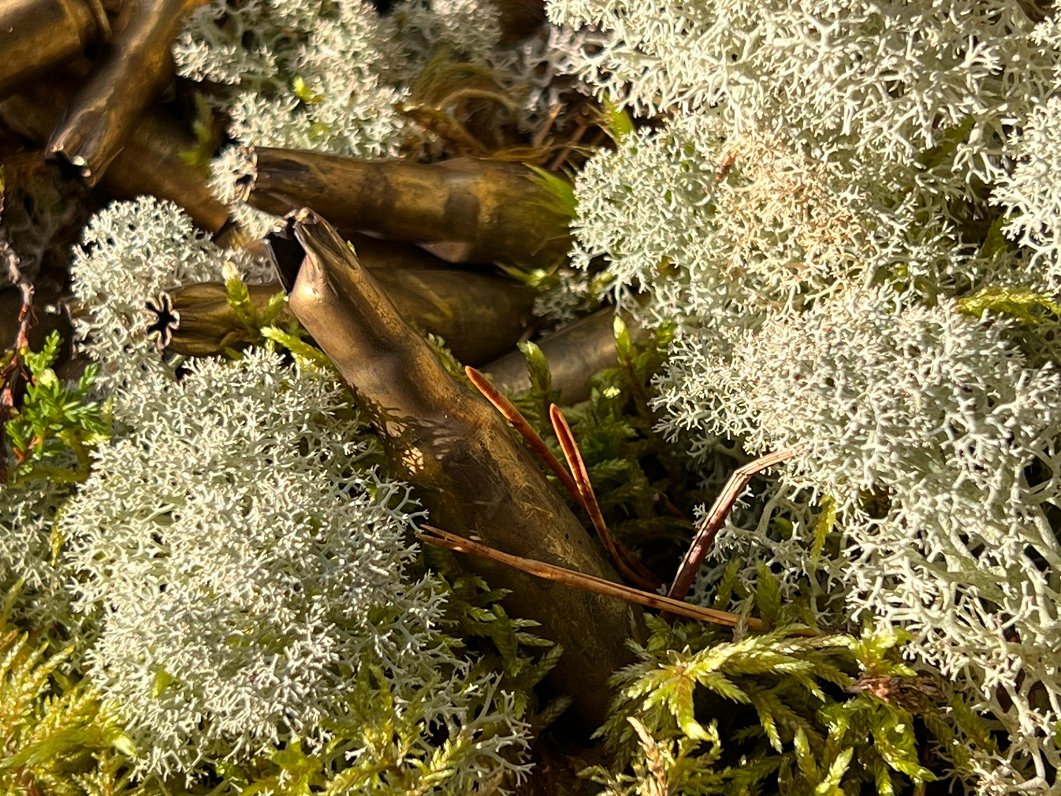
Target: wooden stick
709, 526
579, 580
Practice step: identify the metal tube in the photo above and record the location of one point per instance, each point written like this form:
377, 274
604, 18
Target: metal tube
574, 353
479, 316
105, 111
470, 471
150, 163
463, 210
36, 35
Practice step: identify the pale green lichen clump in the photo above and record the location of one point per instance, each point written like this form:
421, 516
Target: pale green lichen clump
241, 569
814, 209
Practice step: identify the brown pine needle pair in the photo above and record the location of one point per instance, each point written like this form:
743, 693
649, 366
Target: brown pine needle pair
580, 580
575, 479
577, 483
709, 526
628, 563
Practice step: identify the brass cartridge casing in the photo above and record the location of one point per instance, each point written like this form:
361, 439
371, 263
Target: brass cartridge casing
574, 353
150, 162
478, 315
464, 210
36, 35
105, 110
473, 475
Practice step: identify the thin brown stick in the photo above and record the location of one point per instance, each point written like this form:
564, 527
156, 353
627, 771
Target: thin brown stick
569, 145
579, 580
705, 534
631, 568
539, 135
525, 429
14, 370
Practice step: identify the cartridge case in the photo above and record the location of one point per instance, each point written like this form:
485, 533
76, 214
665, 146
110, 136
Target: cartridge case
465, 210
37, 35
150, 162
478, 315
105, 110
574, 353
470, 471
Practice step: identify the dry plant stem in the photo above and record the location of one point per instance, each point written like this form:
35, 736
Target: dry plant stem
150, 163
538, 141
582, 581
467, 467
628, 564
12, 371
709, 526
463, 210
106, 110
36, 35
562, 156
525, 429
579, 486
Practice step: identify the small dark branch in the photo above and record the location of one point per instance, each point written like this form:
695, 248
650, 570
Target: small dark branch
624, 559
538, 140
705, 534
579, 580
558, 162
13, 372
525, 429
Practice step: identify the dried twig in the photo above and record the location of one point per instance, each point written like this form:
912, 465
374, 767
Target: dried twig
579, 580
13, 371
556, 163
705, 534
624, 559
